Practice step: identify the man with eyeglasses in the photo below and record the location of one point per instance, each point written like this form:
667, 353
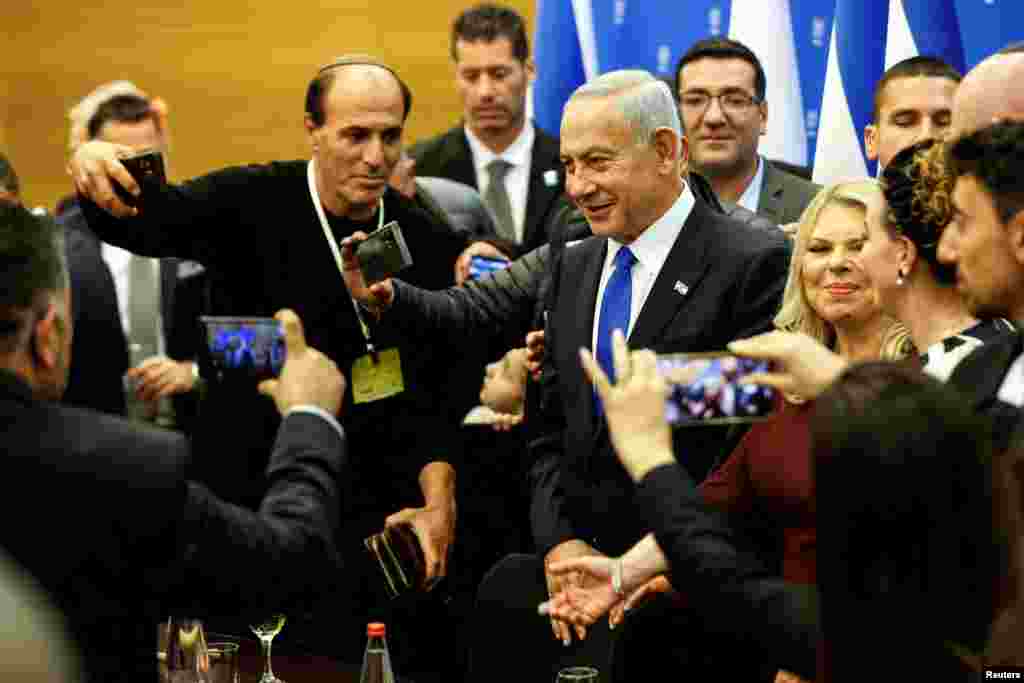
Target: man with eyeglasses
721, 88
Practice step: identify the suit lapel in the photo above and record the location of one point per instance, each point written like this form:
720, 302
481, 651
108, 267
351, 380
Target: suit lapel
168, 278
589, 278
540, 194
983, 380
457, 158
680, 274
769, 204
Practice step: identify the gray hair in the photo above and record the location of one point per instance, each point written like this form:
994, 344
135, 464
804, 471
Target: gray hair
644, 101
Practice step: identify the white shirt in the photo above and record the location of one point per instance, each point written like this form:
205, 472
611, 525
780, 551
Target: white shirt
517, 178
1012, 389
751, 196
651, 250
119, 262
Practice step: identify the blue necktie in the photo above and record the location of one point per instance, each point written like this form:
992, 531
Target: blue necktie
615, 309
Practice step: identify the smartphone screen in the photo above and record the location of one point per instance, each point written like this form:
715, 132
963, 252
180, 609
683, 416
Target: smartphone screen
705, 389
241, 348
481, 265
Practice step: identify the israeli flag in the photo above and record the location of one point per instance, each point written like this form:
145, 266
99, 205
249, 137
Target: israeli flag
579, 39
869, 37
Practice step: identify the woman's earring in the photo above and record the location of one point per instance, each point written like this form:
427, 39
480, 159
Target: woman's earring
899, 276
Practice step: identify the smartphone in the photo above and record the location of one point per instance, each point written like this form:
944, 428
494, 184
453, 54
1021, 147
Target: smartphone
148, 170
481, 265
705, 389
241, 348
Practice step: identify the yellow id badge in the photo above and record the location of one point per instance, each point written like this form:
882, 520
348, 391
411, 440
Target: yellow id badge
373, 381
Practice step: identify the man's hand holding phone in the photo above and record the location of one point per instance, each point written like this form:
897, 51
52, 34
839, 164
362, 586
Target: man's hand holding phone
96, 167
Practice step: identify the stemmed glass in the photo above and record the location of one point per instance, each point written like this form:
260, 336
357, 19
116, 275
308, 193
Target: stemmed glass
265, 630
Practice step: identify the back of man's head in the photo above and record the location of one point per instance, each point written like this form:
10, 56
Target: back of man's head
487, 23
10, 188
994, 157
32, 270
990, 92
724, 48
921, 66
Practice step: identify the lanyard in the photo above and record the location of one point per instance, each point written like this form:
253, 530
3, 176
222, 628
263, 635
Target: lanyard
333, 244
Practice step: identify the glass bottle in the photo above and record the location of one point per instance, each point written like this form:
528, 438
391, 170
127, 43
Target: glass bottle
376, 660
187, 659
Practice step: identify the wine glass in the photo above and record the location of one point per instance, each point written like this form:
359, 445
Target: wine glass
265, 630
577, 674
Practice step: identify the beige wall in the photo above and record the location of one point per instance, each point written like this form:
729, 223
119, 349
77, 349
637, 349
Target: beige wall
233, 73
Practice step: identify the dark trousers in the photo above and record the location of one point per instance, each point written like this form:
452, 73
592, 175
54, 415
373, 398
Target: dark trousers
510, 642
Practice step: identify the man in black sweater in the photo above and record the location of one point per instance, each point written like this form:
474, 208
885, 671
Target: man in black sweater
266, 234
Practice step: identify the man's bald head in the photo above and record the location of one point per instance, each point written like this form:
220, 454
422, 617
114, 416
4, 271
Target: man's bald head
989, 93
362, 71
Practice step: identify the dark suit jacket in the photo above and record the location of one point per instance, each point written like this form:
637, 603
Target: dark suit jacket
99, 351
735, 275
732, 591
448, 155
979, 376
132, 541
784, 196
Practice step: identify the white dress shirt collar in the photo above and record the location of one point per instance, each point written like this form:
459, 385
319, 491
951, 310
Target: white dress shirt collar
651, 250
517, 154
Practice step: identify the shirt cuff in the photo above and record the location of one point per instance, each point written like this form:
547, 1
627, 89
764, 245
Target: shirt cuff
315, 410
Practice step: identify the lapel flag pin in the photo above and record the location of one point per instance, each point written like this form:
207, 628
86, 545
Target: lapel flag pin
681, 289
551, 177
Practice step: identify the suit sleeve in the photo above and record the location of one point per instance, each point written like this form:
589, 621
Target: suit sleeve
239, 561
759, 289
496, 309
734, 593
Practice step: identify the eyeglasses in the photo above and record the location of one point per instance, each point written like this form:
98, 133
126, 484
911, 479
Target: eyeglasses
731, 102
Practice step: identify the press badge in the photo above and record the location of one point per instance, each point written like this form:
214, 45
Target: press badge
373, 381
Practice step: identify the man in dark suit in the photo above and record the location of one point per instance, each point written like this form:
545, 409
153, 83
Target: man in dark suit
721, 88
132, 539
497, 149
120, 113
697, 280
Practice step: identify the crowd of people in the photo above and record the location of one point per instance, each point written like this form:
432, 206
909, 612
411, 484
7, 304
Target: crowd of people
868, 526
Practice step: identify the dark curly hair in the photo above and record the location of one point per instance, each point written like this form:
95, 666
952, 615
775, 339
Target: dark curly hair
994, 156
917, 187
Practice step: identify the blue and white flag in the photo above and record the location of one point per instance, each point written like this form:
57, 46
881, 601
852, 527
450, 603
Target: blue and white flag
856, 60
869, 37
822, 58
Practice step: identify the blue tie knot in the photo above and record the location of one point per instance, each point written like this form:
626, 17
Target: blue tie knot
624, 260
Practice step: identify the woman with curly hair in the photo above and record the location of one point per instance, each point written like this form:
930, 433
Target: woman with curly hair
904, 227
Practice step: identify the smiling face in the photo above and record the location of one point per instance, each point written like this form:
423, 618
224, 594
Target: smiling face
835, 284
723, 141
360, 141
616, 182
